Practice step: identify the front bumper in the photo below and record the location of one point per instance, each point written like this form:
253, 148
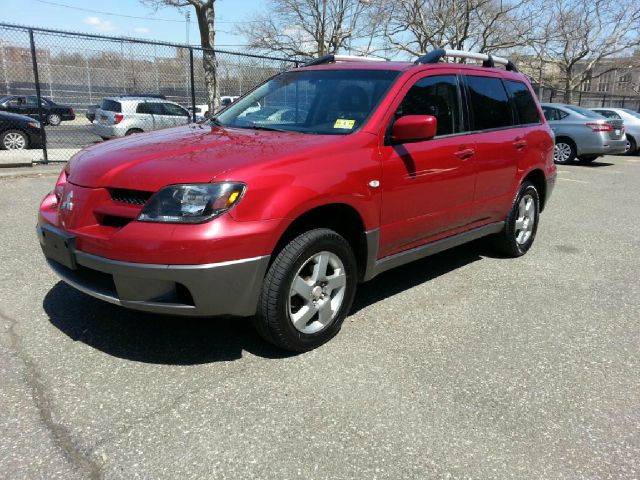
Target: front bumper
226, 288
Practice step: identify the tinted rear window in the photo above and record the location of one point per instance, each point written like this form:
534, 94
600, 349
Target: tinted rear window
111, 106
523, 102
583, 111
489, 103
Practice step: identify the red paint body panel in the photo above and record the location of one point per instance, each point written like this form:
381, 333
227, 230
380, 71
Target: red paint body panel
429, 189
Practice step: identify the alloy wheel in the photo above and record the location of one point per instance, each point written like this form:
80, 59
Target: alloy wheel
525, 221
562, 152
627, 147
14, 141
317, 292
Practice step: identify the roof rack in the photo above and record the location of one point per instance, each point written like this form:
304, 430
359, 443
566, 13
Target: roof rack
488, 60
331, 58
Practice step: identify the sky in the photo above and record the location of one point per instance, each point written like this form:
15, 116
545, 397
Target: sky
113, 17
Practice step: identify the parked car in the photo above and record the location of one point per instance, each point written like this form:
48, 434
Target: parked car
122, 116
202, 111
91, 112
277, 114
281, 221
19, 132
583, 134
54, 113
631, 121
227, 100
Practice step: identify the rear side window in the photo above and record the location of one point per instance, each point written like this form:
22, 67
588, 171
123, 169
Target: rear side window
523, 102
489, 103
174, 110
437, 96
111, 106
551, 113
151, 108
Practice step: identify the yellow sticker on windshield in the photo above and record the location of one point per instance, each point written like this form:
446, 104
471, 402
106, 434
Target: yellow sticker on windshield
344, 123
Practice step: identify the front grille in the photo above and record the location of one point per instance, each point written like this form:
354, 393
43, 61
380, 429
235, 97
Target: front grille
132, 197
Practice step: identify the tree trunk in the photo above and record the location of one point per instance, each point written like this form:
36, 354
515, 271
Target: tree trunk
206, 18
568, 93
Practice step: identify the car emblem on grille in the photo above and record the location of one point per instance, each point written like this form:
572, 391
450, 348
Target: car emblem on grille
67, 204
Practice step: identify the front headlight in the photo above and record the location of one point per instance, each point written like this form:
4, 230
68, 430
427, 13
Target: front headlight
194, 203
34, 124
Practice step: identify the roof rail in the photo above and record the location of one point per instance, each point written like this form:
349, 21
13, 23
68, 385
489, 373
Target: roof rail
488, 60
331, 58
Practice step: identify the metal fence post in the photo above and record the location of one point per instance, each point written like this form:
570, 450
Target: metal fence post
623, 99
604, 99
193, 85
36, 80
580, 98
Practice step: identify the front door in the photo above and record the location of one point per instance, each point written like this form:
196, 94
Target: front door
427, 185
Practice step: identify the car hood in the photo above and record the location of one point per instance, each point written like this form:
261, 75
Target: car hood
187, 154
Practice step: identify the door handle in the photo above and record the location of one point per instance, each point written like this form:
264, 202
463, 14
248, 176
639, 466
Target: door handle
520, 144
465, 153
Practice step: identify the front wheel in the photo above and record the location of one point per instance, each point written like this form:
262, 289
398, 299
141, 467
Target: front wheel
308, 291
14, 140
521, 224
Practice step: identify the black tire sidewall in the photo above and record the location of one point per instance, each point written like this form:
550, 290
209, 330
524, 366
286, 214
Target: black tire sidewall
633, 147
518, 249
285, 333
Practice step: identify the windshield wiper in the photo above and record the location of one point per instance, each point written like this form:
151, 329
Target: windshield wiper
216, 122
262, 127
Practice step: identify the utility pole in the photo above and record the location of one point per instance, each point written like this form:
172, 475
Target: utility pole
323, 27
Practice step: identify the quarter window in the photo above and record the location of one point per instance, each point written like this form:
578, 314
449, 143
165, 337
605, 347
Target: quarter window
489, 103
523, 102
437, 96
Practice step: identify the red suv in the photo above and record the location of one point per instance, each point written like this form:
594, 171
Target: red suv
347, 169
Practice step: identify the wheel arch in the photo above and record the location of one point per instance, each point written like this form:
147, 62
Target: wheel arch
342, 218
536, 176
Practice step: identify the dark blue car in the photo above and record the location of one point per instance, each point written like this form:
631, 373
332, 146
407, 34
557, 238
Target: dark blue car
19, 132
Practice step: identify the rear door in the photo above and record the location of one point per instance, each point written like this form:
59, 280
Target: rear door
498, 144
427, 185
174, 114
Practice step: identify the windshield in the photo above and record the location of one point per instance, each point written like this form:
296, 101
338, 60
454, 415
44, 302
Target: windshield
584, 112
334, 102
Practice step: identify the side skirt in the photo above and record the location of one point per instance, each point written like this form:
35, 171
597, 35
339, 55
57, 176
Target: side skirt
376, 267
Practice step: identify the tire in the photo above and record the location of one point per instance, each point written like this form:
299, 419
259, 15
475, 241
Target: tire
54, 119
632, 146
516, 240
302, 317
587, 158
133, 131
564, 151
105, 138
14, 140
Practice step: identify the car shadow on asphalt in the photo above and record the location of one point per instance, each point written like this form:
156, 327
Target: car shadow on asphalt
171, 340
593, 164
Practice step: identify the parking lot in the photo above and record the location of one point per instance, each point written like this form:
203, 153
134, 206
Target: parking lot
463, 365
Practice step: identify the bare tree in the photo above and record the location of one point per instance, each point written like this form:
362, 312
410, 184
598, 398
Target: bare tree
587, 38
205, 14
416, 26
310, 28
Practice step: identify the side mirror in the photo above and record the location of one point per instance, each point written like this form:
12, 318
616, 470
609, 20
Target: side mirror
413, 128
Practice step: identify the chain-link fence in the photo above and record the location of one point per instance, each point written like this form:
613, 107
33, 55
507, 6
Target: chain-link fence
588, 99
58, 79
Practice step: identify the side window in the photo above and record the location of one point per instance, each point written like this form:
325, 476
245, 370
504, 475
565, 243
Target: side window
550, 113
609, 114
438, 96
489, 103
150, 108
174, 110
523, 102
561, 114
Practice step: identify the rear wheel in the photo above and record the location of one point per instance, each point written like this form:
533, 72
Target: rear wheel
14, 140
54, 119
308, 291
631, 147
521, 224
564, 152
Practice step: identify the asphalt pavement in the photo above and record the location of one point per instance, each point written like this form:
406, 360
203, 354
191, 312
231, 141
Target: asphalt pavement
463, 365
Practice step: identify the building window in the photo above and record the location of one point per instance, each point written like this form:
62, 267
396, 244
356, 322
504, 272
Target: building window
605, 82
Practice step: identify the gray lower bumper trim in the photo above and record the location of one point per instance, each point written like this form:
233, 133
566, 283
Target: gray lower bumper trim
227, 288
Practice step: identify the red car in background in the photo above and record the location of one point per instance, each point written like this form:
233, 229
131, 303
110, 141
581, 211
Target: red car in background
375, 164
